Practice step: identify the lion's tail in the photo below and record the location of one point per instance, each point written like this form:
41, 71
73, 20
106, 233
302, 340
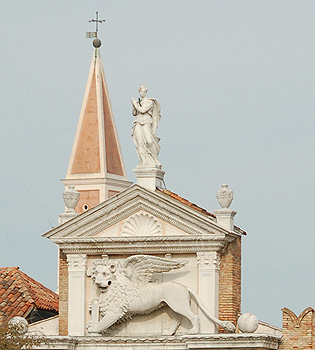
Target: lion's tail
227, 325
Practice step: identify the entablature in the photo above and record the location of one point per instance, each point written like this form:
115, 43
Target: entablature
143, 245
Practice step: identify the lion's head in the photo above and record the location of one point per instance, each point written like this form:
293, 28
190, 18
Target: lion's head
104, 273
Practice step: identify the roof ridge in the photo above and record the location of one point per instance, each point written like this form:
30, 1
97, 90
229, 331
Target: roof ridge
10, 267
186, 201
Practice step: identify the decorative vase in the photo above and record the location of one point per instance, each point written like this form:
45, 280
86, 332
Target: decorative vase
71, 198
225, 196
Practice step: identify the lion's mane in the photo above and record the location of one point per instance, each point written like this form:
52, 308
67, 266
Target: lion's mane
121, 293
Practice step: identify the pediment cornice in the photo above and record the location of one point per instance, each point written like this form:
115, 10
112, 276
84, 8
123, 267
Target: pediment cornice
130, 201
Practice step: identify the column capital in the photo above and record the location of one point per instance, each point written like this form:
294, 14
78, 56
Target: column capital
76, 262
208, 260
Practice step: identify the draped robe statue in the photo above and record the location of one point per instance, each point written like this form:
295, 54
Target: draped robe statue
147, 118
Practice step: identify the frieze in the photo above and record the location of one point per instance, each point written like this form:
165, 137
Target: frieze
147, 249
153, 244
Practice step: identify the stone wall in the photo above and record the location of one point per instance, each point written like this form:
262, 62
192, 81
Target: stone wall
298, 332
63, 295
230, 282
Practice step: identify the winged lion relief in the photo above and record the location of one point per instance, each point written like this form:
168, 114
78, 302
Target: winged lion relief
126, 290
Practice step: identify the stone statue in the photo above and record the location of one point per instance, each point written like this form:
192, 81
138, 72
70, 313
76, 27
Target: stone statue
125, 291
147, 113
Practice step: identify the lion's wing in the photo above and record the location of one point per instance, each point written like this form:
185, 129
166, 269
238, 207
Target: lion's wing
144, 266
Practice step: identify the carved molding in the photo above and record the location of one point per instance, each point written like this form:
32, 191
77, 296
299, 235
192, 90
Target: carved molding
236, 341
76, 262
144, 244
141, 224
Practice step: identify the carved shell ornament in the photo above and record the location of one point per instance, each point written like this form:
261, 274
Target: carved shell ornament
141, 224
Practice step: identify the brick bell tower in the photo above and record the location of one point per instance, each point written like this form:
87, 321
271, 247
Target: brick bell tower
96, 166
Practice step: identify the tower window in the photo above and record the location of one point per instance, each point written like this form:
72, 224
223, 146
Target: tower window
85, 207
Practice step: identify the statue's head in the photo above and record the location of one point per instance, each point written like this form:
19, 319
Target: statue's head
143, 90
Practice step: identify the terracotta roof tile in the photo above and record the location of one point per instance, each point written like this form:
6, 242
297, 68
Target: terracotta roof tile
19, 293
194, 206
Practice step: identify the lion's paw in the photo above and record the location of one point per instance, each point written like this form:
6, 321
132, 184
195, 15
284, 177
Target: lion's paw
91, 327
228, 326
168, 332
193, 330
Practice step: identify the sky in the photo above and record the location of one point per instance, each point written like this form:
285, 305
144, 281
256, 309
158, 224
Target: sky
235, 80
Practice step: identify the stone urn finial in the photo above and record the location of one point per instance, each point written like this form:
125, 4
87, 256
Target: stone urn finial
225, 196
71, 198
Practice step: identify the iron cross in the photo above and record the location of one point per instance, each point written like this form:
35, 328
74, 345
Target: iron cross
97, 21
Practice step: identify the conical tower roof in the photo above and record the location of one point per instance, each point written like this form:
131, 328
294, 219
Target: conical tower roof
96, 166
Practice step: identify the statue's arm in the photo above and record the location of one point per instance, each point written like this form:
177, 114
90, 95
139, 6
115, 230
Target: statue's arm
145, 108
134, 111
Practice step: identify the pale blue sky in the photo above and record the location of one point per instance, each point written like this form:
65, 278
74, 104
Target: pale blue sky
235, 80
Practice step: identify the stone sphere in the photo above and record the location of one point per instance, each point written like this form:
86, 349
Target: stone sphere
20, 322
247, 323
97, 42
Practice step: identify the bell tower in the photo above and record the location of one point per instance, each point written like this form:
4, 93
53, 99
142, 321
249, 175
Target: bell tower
96, 166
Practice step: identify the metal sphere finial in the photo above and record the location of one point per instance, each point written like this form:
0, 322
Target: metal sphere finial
97, 43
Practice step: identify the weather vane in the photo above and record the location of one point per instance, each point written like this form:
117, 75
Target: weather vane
97, 21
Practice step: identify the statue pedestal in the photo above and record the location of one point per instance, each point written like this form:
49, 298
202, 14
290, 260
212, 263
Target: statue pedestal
62, 218
225, 217
149, 177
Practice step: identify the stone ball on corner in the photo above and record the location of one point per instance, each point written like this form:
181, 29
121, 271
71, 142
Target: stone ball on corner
20, 323
247, 323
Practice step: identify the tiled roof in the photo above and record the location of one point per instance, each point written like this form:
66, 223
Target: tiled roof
20, 294
194, 206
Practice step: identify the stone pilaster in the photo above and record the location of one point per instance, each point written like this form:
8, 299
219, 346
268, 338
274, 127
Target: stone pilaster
76, 294
208, 287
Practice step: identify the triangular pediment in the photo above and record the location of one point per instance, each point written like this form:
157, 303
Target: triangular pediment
138, 212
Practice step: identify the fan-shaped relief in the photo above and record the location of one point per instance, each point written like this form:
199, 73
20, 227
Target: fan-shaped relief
141, 224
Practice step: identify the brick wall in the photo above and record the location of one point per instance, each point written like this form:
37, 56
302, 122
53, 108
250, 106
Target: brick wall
230, 282
298, 332
63, 295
